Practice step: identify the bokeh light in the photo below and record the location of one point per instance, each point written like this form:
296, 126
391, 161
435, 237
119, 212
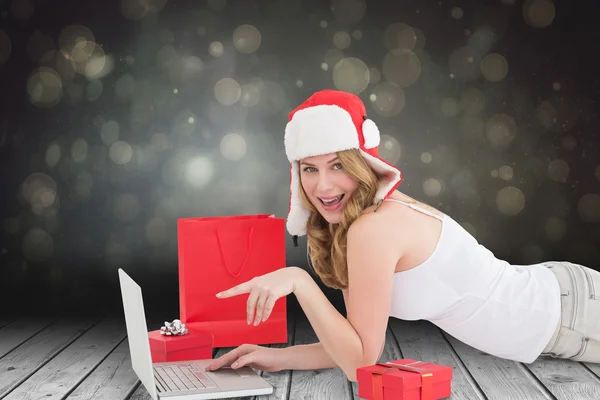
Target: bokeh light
351, 75
246, 39
588, 208
432, 187
506, 172
233, 147
457, 12
390, 149
401, 66
200, 171
538, 13
249, 95
494, 67
388, 99
510, 201
120, 152
216, 49
450, 107
399, 36
348, 11
500, 130
44, 87
227, 91
341, 40
53, 155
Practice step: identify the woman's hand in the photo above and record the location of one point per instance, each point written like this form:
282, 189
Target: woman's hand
265, 290
262, 358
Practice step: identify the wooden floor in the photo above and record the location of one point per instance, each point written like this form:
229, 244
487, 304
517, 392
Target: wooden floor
41, 358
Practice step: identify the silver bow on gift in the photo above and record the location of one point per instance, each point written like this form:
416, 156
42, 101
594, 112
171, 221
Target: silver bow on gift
173, 328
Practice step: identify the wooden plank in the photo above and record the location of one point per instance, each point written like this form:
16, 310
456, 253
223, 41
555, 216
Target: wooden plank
62, 373
595, 368
498, 378
5, 321
328, 383
114, 378
24, 361
566, 379
18, 332
140, 393
423, 341
391, 351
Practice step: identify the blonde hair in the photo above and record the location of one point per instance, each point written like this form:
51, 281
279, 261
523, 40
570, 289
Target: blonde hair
327, 242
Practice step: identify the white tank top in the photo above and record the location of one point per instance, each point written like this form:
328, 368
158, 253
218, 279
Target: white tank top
509, 311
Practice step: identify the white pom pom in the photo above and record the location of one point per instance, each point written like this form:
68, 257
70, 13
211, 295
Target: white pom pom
370, 133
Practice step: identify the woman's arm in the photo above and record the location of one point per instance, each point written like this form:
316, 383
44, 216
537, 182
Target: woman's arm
358, 340
306, 356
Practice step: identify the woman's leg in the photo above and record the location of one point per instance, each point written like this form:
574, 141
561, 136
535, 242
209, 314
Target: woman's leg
578, 337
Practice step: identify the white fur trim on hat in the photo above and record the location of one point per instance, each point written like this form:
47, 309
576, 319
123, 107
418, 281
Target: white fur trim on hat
299, 214
319, 130
390, 176
370, 133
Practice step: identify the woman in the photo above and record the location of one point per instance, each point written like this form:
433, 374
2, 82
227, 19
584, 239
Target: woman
393, 256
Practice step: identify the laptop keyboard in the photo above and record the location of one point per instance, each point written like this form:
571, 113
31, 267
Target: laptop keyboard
182, 377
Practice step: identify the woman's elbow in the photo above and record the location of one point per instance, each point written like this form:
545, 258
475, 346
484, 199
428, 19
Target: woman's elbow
351, 372
351, 375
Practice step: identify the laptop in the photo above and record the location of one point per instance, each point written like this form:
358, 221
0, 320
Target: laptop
179, 380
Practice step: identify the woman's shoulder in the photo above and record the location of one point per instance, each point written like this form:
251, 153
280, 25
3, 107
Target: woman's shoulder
400, 197
399, 219
381, 216
381, 226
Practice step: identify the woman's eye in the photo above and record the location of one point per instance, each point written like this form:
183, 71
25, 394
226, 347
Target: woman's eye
309, 169
337, 166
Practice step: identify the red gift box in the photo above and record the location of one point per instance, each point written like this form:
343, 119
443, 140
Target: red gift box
195, 345
404, 379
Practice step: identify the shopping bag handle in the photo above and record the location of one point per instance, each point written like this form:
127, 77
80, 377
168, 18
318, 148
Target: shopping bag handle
245, 259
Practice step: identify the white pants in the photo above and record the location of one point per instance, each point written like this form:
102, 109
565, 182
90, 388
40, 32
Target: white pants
577, 336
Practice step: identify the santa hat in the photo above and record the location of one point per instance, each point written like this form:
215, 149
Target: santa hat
327, 122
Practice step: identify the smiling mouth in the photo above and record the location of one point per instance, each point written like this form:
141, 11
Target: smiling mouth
332, 202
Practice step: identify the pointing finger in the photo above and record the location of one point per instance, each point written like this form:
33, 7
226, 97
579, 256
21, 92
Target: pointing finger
236, 290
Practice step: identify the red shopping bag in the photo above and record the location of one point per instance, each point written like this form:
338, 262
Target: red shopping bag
217, 253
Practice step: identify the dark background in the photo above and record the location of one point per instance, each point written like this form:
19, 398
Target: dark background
119, 117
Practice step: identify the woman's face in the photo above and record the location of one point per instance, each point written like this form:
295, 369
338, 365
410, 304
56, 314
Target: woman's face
327, 185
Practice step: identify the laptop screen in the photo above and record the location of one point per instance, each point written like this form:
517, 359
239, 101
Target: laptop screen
137, 332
